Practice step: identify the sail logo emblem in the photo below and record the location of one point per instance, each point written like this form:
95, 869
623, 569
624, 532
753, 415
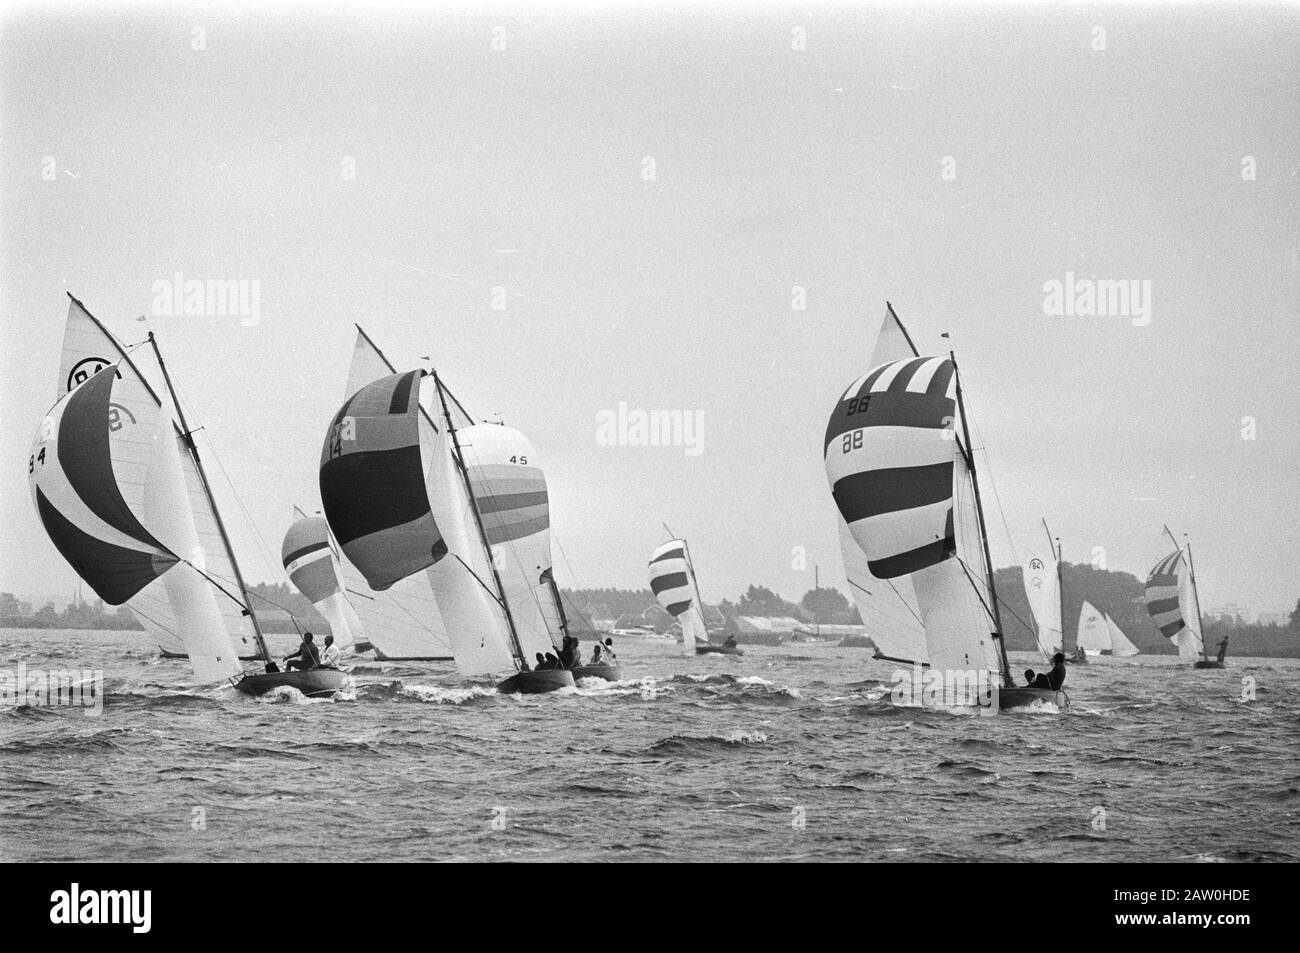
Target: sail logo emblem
115, 417
1035, 564
85, 369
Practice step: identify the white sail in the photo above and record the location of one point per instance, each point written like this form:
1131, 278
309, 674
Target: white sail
672, 580
1119, 642
887, 607
1094, 636
463, 583
510, 491
1043, 591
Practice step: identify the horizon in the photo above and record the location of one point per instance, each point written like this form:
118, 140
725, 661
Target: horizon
681, 212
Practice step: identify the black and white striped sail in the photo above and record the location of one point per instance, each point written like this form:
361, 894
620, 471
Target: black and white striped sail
163, 610
904, 494
106, 478
312, 565
1169, 603
672, 580
1043, 592
402, 621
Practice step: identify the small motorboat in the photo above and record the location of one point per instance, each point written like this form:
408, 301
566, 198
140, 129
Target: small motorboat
719, 650
537, 682
1024, 696
314, 683
610, 673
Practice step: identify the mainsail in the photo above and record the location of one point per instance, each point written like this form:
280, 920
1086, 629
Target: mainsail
901, 481
1043, 590
88, 347
1169, 603
1094, 636
1119, 642
313, 567
106, 478
672, 580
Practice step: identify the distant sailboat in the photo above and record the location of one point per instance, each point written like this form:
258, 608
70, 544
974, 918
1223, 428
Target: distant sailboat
1120, 645
1174, 604
1093, 634
903, 478
465, 504
672, 580
122, 493
313, 567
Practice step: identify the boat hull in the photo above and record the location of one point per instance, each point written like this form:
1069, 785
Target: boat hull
1021, 697
536, 683
314, 683
1208, 663
718, 650
610, 673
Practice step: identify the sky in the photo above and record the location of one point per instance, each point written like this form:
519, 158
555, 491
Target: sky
653, 191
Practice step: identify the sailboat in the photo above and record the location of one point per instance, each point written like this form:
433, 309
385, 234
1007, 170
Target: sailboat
1043, 590
672, 580
313, 567
1093, 635
1175, 605
903, 478
464, 503
121, 491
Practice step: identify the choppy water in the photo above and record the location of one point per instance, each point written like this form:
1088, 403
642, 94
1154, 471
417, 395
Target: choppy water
789, 753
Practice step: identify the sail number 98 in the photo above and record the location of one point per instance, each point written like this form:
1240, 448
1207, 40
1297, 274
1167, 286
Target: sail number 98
852, 441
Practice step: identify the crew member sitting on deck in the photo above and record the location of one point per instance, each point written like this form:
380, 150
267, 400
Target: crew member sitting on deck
731, 642
569, 652
551, 661
306, 657
330, 657
595, 653
1029, 677
541, 663
1056, 677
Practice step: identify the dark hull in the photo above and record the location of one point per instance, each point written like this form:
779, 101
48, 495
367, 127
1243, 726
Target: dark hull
610, 673
1208, 663
536, 683
1020, 697
381, 657
315, 683
718, 650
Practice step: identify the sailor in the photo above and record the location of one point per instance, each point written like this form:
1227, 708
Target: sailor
595, 653
551, 661
568, 652
611, 658
1223, 649
306, 657
330, 657
541, 663
1029, 677
1056, 677
731, 642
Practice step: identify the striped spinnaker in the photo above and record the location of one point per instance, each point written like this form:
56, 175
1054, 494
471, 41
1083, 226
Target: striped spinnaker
674, 585
1162, 595
106, 426
889, 455
372, 481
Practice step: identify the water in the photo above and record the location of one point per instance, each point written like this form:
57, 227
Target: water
788, 753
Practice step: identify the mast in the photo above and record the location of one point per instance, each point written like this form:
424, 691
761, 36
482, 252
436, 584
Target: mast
187, 436
969, 455
559, 603
1196, 597
1060, 582
478, 521
695, 584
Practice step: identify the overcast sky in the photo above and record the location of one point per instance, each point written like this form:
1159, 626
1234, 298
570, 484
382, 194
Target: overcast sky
951, 160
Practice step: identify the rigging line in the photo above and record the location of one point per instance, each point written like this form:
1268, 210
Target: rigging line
902, 600
441, 638
993, 485
1002, 602
574, 576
